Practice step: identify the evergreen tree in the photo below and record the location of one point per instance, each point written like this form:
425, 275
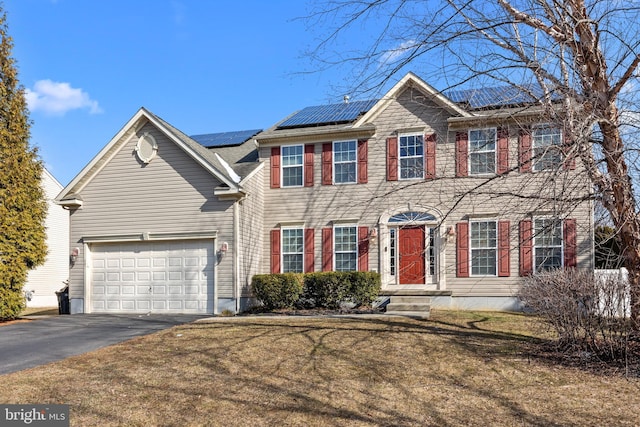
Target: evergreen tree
22, 201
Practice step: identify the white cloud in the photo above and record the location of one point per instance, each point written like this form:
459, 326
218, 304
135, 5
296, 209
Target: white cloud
56, 98
393, 54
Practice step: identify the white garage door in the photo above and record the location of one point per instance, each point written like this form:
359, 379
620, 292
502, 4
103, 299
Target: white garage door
157, 277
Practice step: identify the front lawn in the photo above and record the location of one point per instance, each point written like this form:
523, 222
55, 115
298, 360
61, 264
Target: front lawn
456, 369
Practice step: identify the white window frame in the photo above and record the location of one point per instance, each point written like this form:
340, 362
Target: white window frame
284, 253
537, 235
354, 251
283, 166
354, 161
483, 248
471, 151
548, 148
414, 156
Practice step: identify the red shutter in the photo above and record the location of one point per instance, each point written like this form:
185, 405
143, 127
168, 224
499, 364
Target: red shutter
275, 251
308, 165
526, 247
430, 153
309, 254
275, 167
363, 159
462, 249
503, 150
569, 162
327, 163
524, 150
504, 269
327, 249
392, 159
363, 248
570, 246
462, 154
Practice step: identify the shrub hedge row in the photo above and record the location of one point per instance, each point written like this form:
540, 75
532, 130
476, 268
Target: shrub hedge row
322, 290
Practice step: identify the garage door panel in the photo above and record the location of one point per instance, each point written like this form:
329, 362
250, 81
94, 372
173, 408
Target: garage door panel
158, 277
128, 276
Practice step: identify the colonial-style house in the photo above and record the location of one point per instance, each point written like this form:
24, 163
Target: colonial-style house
452, 197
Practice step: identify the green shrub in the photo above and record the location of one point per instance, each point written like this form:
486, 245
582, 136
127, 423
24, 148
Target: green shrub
364, 287
322, 290
11, 302
326, 290
277, 290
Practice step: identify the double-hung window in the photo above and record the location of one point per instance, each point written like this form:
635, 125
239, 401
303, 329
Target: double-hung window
344, 162
547, 141
482, 151
292, 250
547, 242
345, 244
292, 165
484, 248
411, 156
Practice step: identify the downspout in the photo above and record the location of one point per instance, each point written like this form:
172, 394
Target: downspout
236, 254
215, 276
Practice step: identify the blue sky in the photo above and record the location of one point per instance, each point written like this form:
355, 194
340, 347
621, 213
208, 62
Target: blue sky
204, 66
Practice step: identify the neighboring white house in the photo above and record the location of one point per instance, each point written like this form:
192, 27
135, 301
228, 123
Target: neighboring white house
44, 281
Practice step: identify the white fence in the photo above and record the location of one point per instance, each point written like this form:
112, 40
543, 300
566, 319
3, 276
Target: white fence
614, 294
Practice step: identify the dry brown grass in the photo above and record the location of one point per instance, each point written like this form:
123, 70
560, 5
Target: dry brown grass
455, 369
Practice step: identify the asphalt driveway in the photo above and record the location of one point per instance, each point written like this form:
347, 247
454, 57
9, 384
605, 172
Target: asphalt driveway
24, 345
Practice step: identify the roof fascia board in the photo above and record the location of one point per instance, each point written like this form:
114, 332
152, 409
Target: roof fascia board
410, 80
529, 114
317, 135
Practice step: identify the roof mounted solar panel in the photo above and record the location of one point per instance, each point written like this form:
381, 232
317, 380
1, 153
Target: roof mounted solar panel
225, 139
328, 114
498, 96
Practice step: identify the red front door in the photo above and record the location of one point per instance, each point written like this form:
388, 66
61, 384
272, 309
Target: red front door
411, 255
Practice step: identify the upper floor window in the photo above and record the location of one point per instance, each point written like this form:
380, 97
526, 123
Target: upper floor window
547, 242
411, 156
292, 250
547, 141
344, 162
482, 151
484, 248
345, 248
292, 165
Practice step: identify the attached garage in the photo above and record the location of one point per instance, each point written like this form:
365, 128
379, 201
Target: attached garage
152, 276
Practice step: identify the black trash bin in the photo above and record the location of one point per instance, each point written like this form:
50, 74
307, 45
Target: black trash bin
63, 300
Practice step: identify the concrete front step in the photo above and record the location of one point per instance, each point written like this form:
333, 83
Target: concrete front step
418, 306
412, 314
411, 299
406, 306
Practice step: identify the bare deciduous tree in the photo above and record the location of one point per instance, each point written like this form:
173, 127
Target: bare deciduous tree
578, 58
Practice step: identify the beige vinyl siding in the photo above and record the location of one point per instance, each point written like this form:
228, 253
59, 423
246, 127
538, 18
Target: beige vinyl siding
317, 206
251, 225
46, 279
171, 194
